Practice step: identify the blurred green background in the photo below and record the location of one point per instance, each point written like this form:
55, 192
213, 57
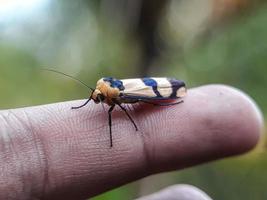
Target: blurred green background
201, 42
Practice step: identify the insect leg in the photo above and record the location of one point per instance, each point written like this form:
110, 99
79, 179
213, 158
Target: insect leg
128, 116
82, 104
110, 124
161, 104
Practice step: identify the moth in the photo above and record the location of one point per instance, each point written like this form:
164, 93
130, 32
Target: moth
116, 92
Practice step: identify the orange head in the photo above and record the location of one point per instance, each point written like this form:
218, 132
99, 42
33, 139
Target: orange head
104, 92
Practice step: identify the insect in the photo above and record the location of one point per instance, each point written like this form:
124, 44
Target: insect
111, 91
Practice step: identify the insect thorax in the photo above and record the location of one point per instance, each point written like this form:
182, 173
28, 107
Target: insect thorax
104, 88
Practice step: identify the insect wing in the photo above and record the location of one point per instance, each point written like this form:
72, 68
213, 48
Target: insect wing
153, 89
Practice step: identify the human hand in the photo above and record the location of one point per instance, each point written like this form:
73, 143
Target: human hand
53, 152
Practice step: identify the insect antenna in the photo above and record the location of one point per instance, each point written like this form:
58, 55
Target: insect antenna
72, 77
77, 107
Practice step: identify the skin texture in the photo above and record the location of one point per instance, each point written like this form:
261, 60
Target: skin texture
53, 152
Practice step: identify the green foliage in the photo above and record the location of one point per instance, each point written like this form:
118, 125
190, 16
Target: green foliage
234, 56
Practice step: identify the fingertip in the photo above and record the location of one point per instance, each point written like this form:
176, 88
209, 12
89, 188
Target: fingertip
243, 115
214, 121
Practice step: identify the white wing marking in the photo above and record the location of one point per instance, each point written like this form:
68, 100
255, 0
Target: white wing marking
164, 87
181, 92
136, 87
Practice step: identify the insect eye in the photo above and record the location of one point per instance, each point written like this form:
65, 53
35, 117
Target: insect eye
101, 97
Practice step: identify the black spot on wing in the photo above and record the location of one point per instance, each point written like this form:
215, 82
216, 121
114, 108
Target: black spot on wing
175, 84
115, 83
108, 79
152, 83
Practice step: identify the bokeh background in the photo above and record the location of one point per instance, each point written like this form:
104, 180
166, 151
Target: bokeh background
201, 42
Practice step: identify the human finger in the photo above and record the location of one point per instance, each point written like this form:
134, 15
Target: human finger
62, 153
